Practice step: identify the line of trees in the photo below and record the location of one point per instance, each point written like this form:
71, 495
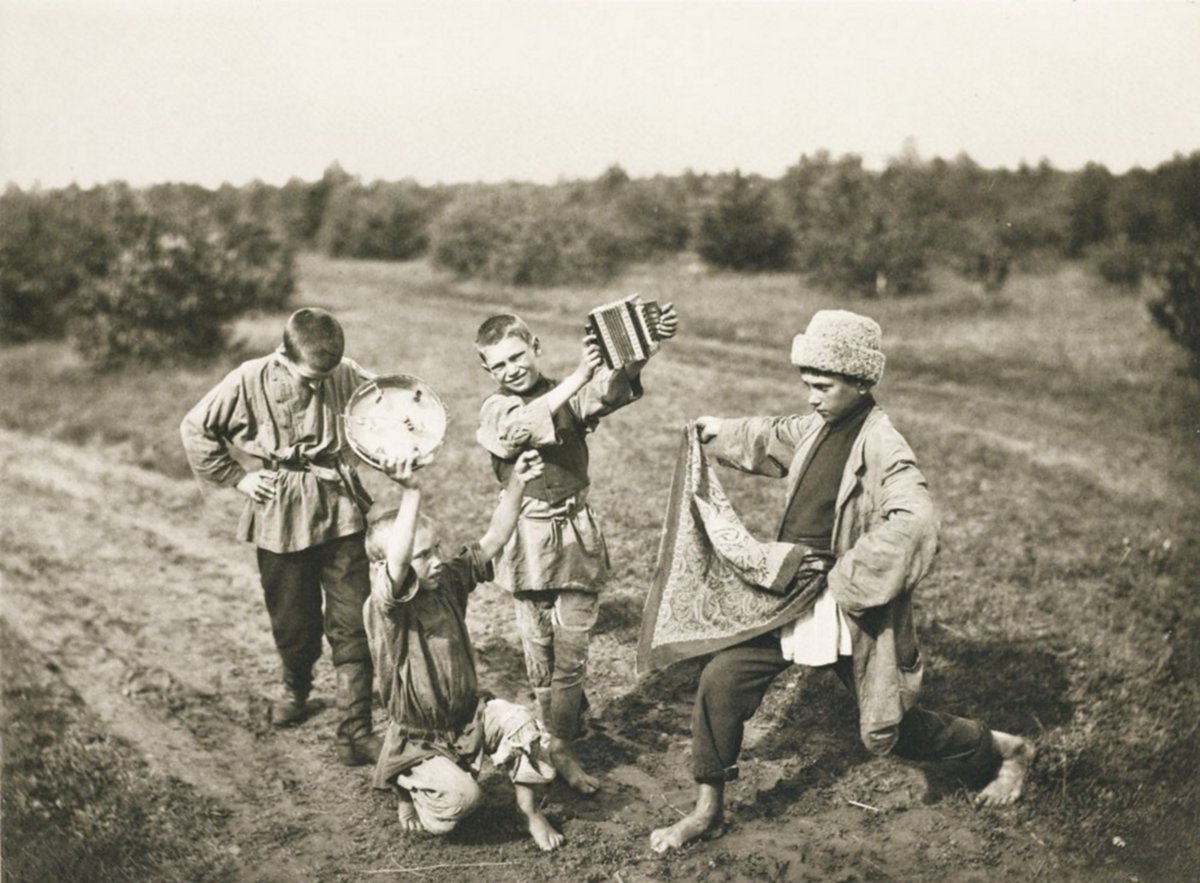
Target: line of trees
844, 227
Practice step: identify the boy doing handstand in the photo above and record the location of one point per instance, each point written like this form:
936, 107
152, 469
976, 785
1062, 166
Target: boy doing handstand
557, 559
439, 726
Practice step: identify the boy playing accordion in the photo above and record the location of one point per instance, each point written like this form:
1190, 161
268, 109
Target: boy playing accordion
557, 560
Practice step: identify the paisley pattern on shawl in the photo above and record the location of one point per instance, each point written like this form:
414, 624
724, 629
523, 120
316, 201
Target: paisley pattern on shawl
716, 585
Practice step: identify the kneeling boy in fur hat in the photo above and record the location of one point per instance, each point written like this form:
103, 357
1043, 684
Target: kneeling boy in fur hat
854, 491
439, 726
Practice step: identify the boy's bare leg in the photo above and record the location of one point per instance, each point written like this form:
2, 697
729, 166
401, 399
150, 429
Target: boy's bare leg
1015, 756
529, 801
705, 816
407, 813
566, 764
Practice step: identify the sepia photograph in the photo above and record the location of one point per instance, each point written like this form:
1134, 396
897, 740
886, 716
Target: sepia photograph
571, 441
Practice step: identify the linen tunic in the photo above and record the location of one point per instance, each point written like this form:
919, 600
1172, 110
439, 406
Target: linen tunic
558, 542
424, 663
265, 409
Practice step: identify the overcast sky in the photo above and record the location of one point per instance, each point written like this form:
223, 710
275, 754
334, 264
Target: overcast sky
231, 90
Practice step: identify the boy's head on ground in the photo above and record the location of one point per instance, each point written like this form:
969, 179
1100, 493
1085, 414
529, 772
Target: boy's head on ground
426, 559
509, 352
313, 342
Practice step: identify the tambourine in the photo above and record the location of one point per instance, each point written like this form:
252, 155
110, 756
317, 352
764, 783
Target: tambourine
395, 416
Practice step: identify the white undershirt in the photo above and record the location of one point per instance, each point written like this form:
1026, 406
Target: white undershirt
819, 636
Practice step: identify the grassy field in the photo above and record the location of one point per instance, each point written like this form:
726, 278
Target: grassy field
1059, 437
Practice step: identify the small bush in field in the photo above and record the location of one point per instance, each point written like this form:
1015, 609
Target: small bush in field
529, 236
171, 290
742, 230
1178, 308
1119, 262
861, 233
50, 244
383, 221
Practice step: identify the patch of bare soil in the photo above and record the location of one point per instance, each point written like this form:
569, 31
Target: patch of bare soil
151, 613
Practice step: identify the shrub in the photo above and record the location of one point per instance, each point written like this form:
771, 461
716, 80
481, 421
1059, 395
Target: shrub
530, 236
172, 288
50, 244
1088, 212
1178, 308
1118, 262
742, 230
384, 221
861, 234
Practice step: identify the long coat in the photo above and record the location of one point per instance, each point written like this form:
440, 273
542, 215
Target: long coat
885, 539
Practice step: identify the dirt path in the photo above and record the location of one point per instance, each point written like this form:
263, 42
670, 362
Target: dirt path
151, 611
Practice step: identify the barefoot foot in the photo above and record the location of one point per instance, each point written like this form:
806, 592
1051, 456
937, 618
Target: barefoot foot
706, 817
1015, 756
544, 834
562, 755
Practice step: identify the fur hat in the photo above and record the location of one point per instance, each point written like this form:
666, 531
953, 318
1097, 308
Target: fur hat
840, 342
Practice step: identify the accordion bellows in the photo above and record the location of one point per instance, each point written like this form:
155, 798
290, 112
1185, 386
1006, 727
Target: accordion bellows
626, 329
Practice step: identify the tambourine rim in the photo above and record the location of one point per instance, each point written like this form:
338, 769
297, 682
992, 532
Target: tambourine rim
385, 381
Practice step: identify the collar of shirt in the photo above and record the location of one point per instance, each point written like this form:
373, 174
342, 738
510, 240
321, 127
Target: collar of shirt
306, 382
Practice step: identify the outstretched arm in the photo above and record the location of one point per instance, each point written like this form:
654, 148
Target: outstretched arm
508, 510
508, 425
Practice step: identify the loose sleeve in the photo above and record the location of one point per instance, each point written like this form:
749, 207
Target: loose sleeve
221, 416
607, 391
385, 592
462, 573
762, 445
508, 425
896, 553
361, 375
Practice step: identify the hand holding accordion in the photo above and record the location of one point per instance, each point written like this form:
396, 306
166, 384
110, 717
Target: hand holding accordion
626, 330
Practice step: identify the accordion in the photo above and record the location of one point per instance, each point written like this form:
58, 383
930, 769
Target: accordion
626, 329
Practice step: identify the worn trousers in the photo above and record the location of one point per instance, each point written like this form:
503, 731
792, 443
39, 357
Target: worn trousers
555, 627
293, 584
732, 687
444, 793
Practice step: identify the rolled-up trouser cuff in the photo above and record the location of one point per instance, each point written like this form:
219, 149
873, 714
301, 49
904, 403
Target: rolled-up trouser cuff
715, 777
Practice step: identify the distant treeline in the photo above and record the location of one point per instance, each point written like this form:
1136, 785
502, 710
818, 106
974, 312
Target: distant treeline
210, 253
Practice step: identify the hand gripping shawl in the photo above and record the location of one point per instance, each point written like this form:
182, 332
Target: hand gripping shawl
716, 585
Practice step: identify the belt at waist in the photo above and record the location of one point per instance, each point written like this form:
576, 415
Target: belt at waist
563, 510
821, 544
303, 464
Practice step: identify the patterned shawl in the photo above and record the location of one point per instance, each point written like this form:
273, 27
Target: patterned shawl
716, 585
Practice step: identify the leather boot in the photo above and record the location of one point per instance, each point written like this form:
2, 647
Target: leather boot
289, 708
357, 744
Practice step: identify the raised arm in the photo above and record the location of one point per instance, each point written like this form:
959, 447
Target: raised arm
508, 425
402, 536
508, 510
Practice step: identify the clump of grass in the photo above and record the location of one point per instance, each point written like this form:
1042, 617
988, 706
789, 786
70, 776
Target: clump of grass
80, 804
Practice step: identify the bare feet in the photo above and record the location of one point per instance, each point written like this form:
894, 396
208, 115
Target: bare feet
706, 816
529, 799
562, 755
1015, 756
407, 814
543, 833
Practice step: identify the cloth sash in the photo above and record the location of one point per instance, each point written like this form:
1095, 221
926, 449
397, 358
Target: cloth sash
716, 585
